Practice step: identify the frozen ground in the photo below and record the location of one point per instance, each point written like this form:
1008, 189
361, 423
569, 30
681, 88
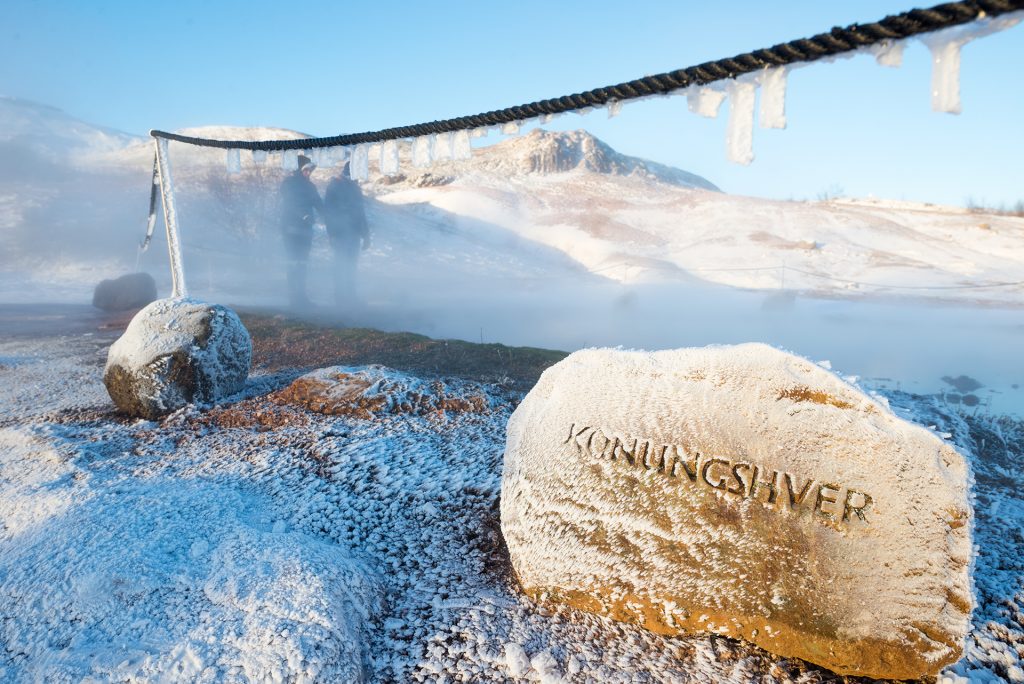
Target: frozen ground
264, 541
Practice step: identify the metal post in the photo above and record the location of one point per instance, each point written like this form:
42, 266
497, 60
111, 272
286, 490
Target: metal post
170, 219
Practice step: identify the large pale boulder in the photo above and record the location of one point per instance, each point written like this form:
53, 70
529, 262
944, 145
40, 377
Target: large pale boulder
741, 491
175, 352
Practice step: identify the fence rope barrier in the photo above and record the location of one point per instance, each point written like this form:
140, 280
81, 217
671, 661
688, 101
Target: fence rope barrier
835, 42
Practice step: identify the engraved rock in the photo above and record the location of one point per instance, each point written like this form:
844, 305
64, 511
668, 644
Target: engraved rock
175, 352
741, 491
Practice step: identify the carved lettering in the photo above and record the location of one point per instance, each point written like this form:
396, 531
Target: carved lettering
756, 485
707, 466
735, 477
794, 498
848, 507
824, 497
740, 486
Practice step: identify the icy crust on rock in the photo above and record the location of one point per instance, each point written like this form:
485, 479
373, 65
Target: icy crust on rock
177, 351
372, 391
627, 491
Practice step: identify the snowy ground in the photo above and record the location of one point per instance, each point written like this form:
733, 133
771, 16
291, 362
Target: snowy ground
267, 542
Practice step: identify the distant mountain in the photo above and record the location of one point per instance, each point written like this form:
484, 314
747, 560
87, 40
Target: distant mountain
52, 134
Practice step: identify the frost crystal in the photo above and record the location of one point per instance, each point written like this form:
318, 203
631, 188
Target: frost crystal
389, 157
705, 101
462, 148
259, 157
479, 132
614, 108
290, 160
773, 98
421, 151
739, 135
234, 161
360, 166
512, 127
443, 146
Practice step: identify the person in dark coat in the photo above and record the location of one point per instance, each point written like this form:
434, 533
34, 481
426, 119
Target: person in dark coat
300, 203
345, 219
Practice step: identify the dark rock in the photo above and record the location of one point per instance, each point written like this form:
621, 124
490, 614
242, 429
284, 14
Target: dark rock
131, 291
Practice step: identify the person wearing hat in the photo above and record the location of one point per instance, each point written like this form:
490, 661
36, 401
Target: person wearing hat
300, 203
345, 220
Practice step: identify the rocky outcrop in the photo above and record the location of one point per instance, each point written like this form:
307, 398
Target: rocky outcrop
176, 352
741, 491
372, 391
131, 291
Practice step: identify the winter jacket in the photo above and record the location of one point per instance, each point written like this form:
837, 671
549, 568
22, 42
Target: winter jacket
344, 213
300, 201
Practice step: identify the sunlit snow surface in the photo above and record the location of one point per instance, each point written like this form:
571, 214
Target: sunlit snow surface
194, 551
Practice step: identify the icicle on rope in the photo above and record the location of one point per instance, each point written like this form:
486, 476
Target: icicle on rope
421, 151
512, 127
772, 112
389, 160
290, 160
233, 159
462, 148
442, 147
259, 157
945, 47
178, 288
888, 53
705, 101
739, 135
359, 166
614, 108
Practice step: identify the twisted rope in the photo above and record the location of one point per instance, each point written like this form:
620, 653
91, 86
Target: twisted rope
835, 42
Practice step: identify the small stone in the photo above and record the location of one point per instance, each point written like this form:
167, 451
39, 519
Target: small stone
176, 352
745, 491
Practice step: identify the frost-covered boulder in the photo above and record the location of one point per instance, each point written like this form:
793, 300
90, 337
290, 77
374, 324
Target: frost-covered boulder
741, 491
130, 291
176, 352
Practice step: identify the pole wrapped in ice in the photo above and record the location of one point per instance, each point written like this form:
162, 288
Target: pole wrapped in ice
178, 288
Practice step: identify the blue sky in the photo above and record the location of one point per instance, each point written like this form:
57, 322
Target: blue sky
325, 68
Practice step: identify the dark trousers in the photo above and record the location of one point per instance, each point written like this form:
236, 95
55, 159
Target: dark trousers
346, 256
296, 249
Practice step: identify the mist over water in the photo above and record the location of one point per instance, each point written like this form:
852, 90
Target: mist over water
434, 273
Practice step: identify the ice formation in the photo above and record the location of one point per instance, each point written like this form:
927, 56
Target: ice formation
741, 491
259, 157
772, 112
442, 146
705, 101
359, 167
888, 53
421, 151
290, 160
479, 132
462, 148
512, 127
945, 48
389, 161
179, 289
234, 161
739, 135
614, 108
